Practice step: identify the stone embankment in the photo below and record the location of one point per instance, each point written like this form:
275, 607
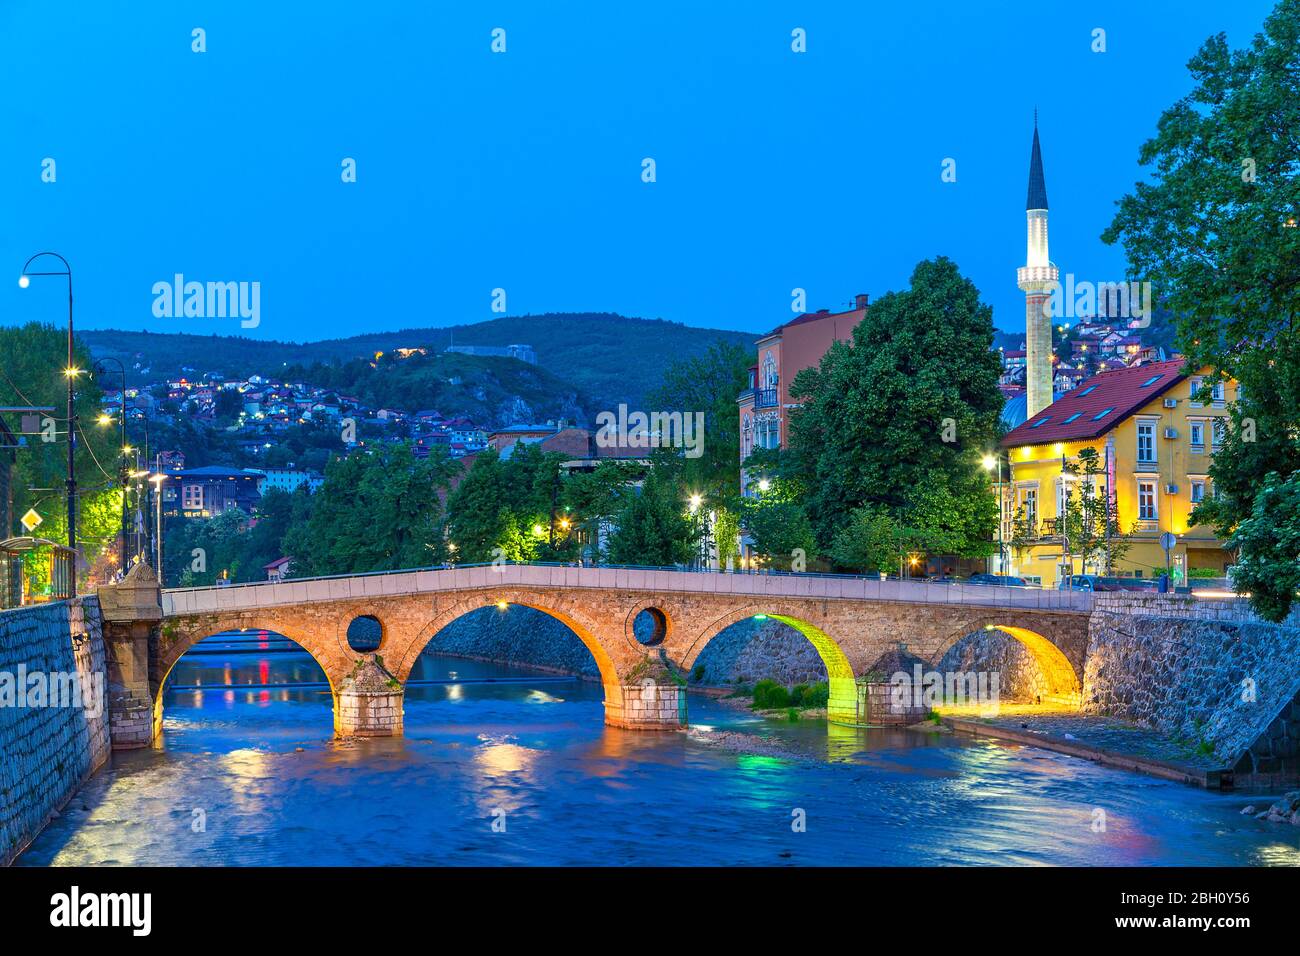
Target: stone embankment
54, 730
1206, 672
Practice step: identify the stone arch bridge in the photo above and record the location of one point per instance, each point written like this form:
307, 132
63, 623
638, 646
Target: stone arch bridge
851, 622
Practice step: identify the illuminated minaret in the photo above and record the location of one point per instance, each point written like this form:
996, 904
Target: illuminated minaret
1036, 278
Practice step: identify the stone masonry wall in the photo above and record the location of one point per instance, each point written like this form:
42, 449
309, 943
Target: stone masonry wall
517, 635
1205, 671
49, 748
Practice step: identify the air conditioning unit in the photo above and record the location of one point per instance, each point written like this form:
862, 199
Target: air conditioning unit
1171, 433
1171, 489
1171, 403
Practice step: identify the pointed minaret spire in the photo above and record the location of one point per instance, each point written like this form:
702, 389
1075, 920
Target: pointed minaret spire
1037, 185
1036, 278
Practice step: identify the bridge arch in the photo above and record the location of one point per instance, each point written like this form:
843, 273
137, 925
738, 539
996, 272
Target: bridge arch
1059, 674
406, 652
842, 704
190, 637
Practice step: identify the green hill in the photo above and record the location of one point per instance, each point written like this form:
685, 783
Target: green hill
606, 358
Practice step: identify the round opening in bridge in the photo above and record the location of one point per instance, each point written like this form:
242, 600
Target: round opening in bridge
365, 633
650, 627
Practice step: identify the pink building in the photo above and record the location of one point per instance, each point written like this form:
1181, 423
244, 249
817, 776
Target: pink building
784, 352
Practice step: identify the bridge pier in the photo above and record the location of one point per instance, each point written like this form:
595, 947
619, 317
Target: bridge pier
646, 705
369, 702
132, 615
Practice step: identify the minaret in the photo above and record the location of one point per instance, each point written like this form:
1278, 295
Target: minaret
1036, 279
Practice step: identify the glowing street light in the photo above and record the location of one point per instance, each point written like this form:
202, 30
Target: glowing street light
764, 484
23, 282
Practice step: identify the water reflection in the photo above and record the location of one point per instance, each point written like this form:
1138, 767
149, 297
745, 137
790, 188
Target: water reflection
249, 740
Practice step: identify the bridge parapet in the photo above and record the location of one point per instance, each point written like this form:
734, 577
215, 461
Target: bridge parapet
830, 587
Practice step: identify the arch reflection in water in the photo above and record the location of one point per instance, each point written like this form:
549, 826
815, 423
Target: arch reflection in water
255, 674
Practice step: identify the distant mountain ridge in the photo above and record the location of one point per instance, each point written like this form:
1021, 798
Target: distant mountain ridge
606, 357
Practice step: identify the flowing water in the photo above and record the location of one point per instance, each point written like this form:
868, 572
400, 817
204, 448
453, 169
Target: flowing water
505, 765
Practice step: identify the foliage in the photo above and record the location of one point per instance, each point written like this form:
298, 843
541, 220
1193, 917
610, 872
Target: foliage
779, 528
1089, 521
654, 528
513, 509
378, 509
35, 356
1269, 542
911, 403
709, 382
1215, 231
769, 695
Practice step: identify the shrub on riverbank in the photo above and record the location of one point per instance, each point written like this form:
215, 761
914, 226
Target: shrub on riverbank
769, 695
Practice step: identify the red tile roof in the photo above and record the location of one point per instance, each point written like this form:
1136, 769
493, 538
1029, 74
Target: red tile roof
1079, 412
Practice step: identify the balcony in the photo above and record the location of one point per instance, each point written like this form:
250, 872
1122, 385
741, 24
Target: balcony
765, 398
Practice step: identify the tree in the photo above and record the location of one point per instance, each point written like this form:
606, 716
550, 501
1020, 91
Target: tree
1215, 232
378, 510
709, 384
1089, 521
911, 403
869, 541
780, 529
1269, 541
653, 528
35, 357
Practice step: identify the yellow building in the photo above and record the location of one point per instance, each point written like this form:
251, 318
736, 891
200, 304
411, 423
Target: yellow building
1155, 441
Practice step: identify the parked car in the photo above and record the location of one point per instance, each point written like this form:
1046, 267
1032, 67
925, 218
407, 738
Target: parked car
1097, 582
1000, 580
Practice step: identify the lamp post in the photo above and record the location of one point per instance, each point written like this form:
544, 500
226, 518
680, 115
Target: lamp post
125, 450
1067, 475
990, 462
70, 372
157, 480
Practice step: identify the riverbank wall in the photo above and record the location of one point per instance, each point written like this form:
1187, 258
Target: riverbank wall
1208, 672
54, 730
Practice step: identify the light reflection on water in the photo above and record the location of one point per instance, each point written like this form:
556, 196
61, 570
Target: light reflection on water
273, 788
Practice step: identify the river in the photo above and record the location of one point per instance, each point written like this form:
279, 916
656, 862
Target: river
505, 765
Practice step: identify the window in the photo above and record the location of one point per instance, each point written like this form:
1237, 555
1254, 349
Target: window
1146, 434
1191, 395
1216, 394
1151, 381
1102, 414
1029, 501
1220, 429
1062, 500
1042, 421
1196, 431
1071, 418
1147, 501
1198, 491
192, 497
1088, 389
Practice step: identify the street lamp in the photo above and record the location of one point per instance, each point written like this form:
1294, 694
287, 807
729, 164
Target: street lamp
990, 462
70, 371
126, 450
157, 481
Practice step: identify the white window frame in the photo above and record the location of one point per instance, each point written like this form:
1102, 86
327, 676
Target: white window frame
1154, 486
1147, 427
1195, 425
1197, 485
1191, 395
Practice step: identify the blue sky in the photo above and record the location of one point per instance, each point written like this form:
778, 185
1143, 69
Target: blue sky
522, 170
